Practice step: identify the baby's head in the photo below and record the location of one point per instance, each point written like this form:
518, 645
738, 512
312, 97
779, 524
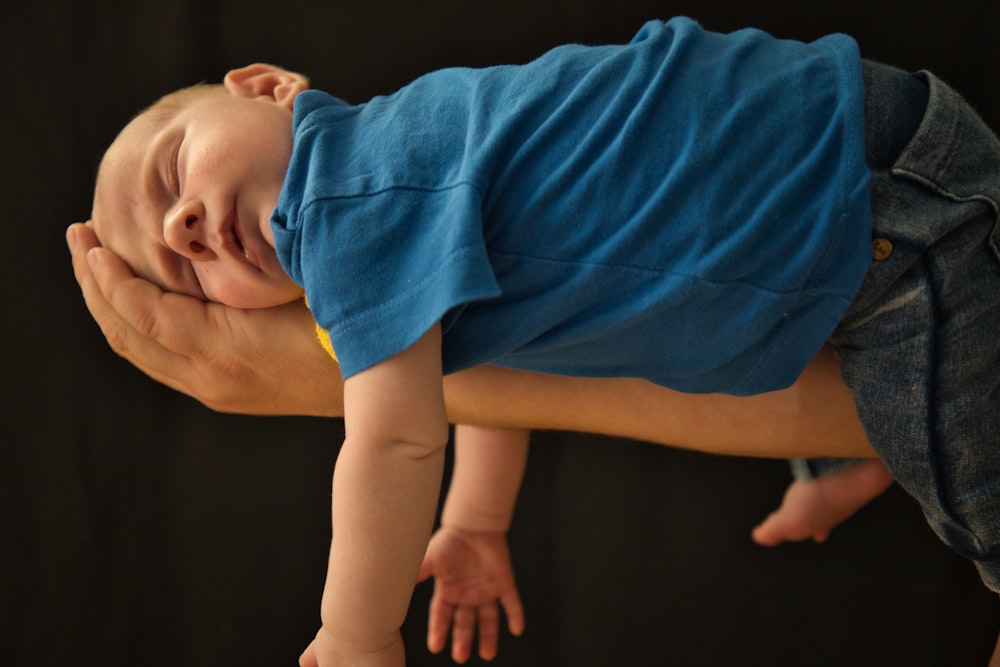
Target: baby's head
185, 193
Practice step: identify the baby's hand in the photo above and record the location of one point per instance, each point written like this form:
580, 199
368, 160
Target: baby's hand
325, 651
472, 574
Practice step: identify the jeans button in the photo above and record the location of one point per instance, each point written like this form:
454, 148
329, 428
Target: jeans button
881, 249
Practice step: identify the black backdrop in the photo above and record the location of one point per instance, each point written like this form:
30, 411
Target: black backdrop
139, 528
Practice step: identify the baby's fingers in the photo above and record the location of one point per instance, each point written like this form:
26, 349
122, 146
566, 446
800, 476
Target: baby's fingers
514, 610
308, 657
462, 633
439, 624
489, 630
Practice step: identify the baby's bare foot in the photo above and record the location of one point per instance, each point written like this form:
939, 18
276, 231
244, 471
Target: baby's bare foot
812, 508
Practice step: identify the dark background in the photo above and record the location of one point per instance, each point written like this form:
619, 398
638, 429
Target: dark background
140, 528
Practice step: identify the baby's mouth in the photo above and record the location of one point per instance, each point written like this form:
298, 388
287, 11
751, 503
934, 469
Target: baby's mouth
233, 232
238, 240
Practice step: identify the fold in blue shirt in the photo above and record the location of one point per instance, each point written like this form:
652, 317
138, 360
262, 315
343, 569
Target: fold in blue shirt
691, 208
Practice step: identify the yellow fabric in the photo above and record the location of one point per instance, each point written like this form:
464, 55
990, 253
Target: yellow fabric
324, 339
323, 336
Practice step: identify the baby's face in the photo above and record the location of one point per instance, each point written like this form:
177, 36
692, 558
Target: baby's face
186, 200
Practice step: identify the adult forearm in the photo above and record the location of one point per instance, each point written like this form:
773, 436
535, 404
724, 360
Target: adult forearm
814, 417
268, 362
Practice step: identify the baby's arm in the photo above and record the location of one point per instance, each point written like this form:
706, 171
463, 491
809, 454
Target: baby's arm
489, 466
385, 491
468, 556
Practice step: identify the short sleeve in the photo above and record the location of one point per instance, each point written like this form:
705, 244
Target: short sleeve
380, 269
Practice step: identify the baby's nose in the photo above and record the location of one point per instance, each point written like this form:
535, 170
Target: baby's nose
184, 231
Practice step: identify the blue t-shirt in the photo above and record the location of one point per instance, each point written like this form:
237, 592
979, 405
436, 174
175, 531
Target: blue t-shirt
690, 208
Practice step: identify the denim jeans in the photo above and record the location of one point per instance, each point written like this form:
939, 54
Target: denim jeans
920, 346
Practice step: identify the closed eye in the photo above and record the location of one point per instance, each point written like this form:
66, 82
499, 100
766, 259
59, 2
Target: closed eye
173, 176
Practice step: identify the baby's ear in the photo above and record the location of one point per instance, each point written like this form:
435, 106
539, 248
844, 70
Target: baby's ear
261, 80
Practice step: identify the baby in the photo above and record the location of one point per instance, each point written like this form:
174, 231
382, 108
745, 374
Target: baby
691, 208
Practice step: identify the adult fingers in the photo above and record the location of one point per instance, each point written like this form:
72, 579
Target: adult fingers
145, 353
81, 239
176, 322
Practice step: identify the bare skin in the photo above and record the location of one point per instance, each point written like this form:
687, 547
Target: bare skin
812, 508
230, 360
267, 362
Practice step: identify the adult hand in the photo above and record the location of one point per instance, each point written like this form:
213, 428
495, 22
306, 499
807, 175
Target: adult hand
232, 360
268, 362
